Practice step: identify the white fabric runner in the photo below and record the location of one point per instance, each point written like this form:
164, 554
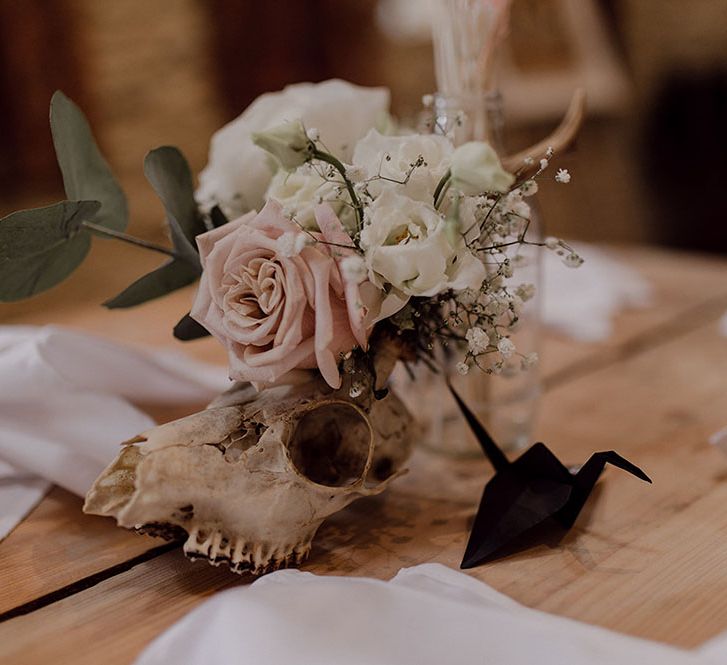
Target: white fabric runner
426, 615
64, 407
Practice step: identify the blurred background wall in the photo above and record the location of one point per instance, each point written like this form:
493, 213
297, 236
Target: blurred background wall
649, 167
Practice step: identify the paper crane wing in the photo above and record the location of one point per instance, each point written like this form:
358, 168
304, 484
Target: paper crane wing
587, 477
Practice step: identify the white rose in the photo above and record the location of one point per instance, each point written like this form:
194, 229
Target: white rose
406, 247
476, 169
392, 157
238, 172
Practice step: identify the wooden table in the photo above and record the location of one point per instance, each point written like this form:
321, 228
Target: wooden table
646, 560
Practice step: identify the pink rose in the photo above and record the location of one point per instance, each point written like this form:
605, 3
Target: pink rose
277, 307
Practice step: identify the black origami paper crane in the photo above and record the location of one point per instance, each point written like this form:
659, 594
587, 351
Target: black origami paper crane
533, 496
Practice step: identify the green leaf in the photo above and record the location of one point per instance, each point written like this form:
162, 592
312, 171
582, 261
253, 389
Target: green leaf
169, 174
86, 174
39, 248
171, 276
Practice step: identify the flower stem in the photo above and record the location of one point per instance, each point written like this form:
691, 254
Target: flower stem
336, 164
118, 235
442, 187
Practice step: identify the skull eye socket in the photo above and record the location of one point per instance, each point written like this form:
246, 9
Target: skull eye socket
331, 444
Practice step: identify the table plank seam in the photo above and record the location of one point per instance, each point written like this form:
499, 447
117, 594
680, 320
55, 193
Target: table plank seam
679, 325
86, 582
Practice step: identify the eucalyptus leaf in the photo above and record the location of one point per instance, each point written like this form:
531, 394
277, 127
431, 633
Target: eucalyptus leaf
86, 174
169, 277
39, 248
182, 246
168, 172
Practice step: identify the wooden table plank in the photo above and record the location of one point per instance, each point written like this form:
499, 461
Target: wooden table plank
110, 622
34, 558
680, 282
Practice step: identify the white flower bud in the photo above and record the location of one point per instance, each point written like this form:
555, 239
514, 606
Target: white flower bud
463, 368
288, 143
476, 169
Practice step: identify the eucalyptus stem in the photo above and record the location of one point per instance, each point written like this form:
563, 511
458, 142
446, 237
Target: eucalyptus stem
336, 164
139, 242
442, 187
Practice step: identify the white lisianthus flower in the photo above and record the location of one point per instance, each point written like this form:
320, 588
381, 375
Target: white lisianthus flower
288, 142
300, 191
476, 169
407, 251
238, 172
392, 158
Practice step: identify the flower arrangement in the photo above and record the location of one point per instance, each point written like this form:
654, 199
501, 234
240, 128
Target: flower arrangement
317, 230
328, 245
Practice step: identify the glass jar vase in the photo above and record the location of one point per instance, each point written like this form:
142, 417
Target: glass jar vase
506, 402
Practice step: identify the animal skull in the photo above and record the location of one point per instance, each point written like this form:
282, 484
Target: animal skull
249, 480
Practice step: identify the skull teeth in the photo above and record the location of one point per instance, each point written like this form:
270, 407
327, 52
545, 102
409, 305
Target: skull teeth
240, 555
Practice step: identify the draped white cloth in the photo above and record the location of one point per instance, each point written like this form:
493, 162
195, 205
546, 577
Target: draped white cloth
426, 615
65, 405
